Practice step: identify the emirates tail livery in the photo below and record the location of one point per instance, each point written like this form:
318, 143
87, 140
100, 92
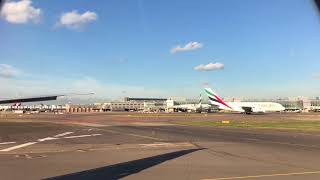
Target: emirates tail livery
243, 107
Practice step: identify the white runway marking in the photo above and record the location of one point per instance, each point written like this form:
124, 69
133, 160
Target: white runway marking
63, 134
59, 136
18, 146
47, 139
54, 137
7, 143
80, 136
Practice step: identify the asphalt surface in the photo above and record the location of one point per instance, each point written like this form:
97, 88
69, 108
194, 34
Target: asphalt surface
93, 148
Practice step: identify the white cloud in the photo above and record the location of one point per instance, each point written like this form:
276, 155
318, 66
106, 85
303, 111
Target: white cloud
188, 47
209, 67
20, 12
75, 20
7, 71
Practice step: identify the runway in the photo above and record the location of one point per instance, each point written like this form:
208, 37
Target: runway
116, 149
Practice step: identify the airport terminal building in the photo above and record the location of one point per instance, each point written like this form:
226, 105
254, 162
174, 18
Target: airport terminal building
136, 104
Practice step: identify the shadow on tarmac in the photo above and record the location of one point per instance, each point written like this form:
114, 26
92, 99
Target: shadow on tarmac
121, 170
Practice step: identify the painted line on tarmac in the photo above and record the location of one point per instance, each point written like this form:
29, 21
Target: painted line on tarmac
88, 124
3, 143
146, 137
281, 143
45, 139
167, 145
63, 134
80, 136
135, 135
252, 139
266, 175
157, 144
18, 146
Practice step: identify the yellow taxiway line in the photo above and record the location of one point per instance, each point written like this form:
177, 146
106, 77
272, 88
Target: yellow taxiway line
266, 175
135, 135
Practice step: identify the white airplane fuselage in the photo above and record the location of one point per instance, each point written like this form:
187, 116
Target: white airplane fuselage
254, 107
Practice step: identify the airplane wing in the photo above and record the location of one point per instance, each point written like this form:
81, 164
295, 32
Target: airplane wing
35, 99
30, 99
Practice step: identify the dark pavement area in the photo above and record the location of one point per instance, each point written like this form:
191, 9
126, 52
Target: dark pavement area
103, 149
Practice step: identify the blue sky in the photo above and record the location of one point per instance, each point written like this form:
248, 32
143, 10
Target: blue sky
267, 48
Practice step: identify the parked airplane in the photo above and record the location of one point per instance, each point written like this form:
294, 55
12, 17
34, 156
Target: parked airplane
194, 107
243, 107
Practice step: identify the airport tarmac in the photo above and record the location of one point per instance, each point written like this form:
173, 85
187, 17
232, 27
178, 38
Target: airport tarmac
151, 146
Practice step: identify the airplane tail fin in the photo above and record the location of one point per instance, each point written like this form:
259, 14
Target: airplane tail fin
215, 99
